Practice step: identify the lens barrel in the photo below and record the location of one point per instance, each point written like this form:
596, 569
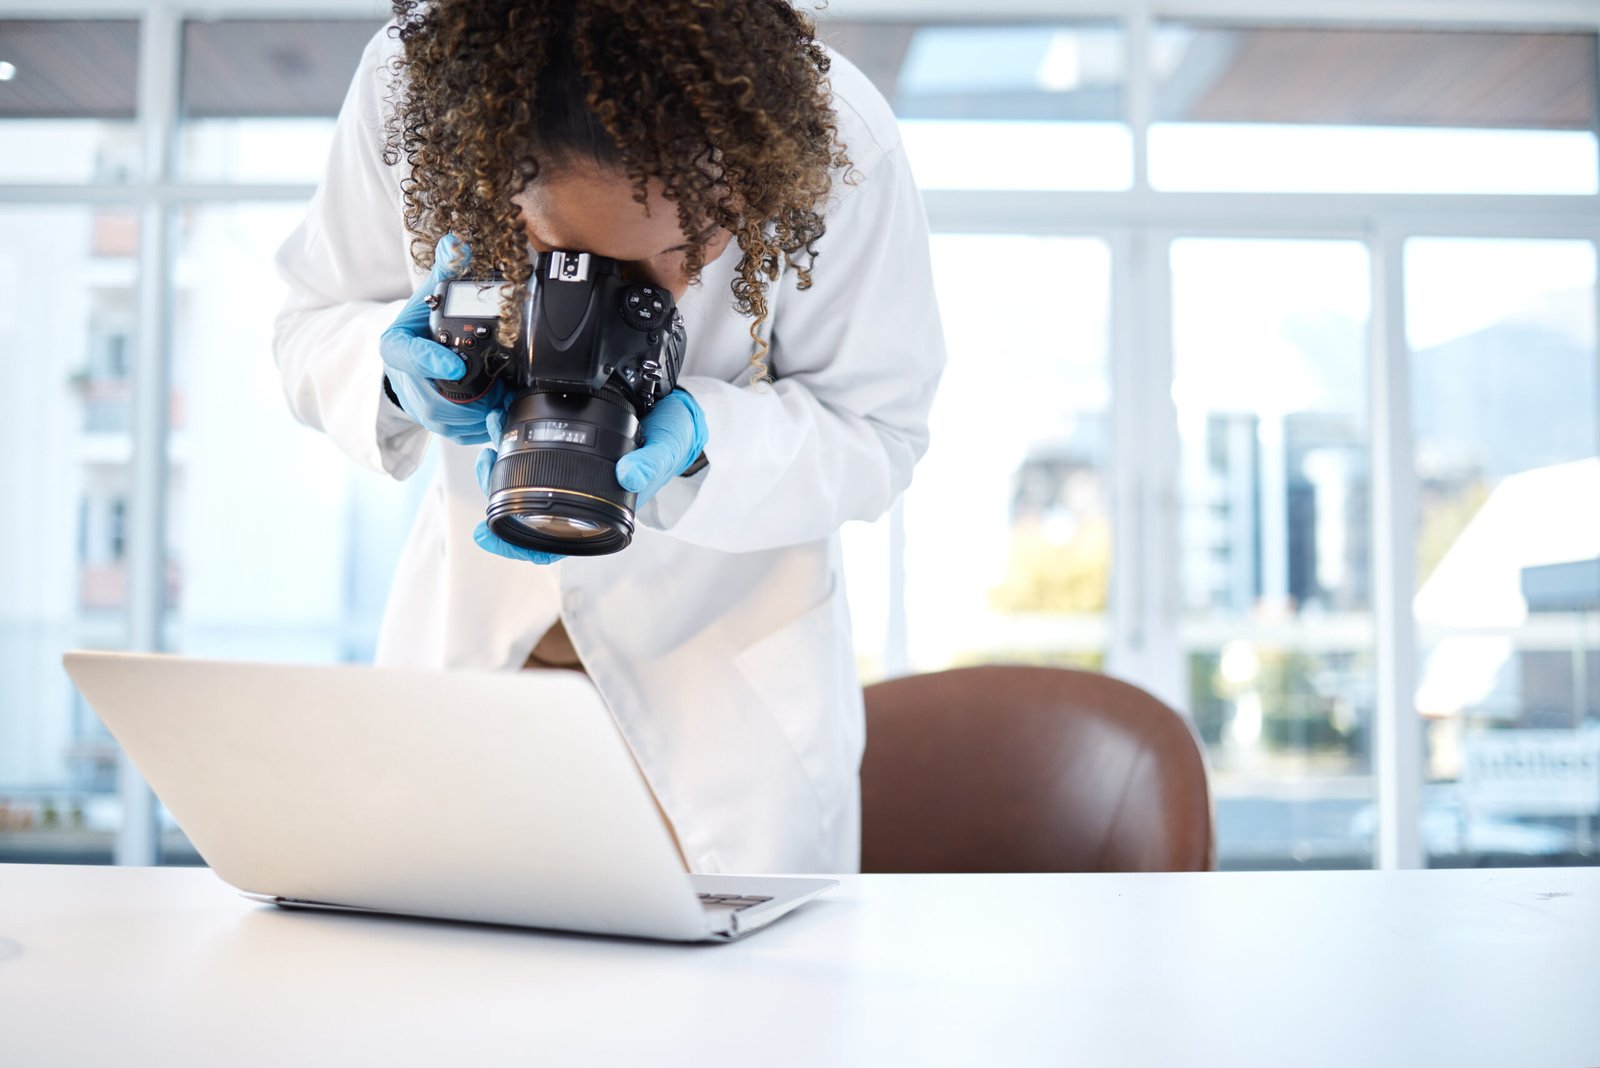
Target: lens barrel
554, 485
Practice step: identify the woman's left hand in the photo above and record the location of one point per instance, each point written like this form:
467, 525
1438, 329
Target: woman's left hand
674, 437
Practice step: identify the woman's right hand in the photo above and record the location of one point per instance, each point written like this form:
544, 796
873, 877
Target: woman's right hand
411, 357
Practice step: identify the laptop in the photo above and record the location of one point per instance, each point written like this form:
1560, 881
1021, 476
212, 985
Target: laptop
502, 798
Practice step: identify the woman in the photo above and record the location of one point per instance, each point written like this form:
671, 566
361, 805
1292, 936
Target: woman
718, 150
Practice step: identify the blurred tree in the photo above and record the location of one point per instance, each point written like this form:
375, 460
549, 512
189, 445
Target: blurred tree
1053, 576
1446, 510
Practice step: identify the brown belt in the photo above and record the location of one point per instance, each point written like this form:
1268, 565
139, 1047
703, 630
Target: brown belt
554, 650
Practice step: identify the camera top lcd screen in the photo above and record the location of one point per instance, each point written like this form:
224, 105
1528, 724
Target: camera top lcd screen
472, 300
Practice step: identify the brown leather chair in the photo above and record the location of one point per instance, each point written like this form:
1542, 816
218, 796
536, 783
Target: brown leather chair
1000, 768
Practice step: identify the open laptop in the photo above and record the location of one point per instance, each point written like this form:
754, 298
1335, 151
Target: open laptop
507, 798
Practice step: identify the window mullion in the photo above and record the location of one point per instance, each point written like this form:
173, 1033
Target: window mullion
137, 840
1397, 730
1146, 647
1139, 106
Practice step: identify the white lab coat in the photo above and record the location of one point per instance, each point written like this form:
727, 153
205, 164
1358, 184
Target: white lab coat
720, 639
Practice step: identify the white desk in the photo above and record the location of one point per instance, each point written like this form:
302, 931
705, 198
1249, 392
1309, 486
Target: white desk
106, 966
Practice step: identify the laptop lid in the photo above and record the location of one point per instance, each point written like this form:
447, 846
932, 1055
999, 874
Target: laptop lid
505, 797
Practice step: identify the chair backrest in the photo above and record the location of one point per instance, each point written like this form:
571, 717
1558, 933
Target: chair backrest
1002, 768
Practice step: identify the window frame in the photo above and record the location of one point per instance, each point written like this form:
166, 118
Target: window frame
1139, 224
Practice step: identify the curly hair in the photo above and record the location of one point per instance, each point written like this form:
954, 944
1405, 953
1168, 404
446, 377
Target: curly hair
725, 103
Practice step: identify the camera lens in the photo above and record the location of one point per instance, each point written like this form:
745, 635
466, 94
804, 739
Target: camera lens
554, 485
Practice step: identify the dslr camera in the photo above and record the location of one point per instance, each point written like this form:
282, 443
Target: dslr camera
593, 355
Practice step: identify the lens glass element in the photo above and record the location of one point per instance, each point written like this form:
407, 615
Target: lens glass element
560, 526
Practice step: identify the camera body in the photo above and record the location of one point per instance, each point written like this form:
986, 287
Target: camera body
591, 331
594, 354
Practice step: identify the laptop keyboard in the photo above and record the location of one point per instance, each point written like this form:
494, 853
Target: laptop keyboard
734, 902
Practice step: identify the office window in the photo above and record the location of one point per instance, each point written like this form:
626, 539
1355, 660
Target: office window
260, 96
1506, 407
997, 106
67, 96
283, 567
1379, 111
64, 452
284, 547
1008, 530
1269, 382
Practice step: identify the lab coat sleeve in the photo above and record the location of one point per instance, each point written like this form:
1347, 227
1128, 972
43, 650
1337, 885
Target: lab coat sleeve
348, 273
857, 358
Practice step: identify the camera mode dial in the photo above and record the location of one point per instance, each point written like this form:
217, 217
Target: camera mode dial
643, 307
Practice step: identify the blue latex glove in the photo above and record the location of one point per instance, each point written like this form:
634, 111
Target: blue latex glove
674, 435
487, 539
411, 357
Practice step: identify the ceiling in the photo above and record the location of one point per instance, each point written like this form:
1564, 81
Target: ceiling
236, 68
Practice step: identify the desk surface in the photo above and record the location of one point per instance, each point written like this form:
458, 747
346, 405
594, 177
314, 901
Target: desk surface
131, 966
